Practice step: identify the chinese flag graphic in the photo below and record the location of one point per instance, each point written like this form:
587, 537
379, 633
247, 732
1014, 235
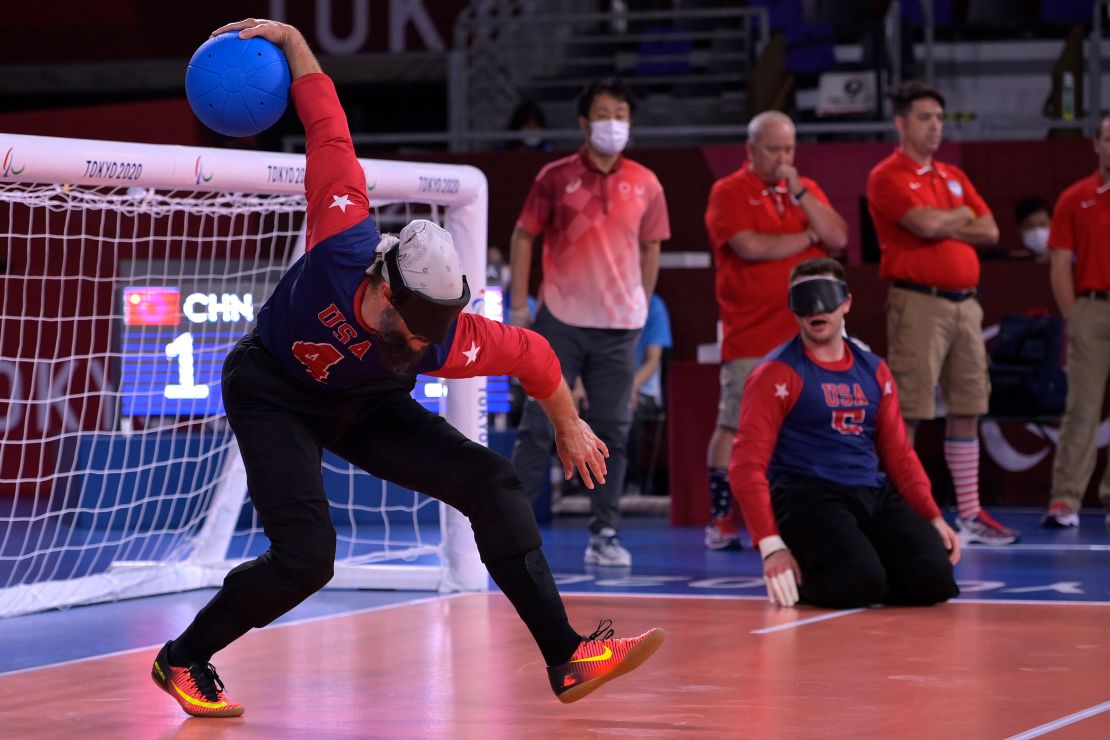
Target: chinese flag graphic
151, 306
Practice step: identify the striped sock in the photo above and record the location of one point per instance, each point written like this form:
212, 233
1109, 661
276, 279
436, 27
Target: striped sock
720, 495
962, 457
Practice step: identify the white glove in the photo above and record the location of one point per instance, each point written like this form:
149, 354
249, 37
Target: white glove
782, 589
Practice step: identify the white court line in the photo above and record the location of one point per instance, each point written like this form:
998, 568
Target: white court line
1029, 602
1062, 722
294, 623
1064, 547
648, 595
811, 620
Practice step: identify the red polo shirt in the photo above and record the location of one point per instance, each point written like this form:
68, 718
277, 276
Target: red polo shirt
896, 186
592, 224
752, 295
1081, 224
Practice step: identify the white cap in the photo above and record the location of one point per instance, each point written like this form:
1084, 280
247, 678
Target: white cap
427, 259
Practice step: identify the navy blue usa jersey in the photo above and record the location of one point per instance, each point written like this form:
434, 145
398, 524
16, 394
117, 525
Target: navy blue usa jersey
836, 421
312, 323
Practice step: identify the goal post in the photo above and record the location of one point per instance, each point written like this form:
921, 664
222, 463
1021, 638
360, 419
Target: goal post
127, 271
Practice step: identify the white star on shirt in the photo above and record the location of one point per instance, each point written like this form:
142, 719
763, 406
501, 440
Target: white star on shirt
780, 390
888, 388
472, 353
341, 202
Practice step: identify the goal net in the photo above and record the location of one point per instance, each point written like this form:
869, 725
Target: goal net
127, 273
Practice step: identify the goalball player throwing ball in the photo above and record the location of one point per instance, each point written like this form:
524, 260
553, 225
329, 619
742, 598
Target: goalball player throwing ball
332, 363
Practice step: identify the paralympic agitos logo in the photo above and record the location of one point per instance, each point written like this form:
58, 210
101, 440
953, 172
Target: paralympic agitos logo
198, 170
9, 168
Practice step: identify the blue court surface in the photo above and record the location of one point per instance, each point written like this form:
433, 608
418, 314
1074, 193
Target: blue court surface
1046, 566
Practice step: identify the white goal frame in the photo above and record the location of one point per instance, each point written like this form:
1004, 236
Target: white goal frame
463, 193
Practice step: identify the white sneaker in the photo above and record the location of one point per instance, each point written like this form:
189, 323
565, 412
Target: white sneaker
1060, 516
605, 549
984, 530
721, 534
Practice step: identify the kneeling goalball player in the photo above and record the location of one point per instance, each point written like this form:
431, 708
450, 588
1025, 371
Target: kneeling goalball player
834, 496
332, 364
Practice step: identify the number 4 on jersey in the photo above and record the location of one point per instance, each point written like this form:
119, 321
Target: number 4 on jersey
317, 357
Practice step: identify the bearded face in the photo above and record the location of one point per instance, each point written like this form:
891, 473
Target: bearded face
395, 343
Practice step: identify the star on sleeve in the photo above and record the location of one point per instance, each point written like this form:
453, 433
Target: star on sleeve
780, 390
341, 202
472, 353
888, 388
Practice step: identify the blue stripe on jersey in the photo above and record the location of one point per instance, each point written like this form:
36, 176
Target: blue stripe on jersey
830, 431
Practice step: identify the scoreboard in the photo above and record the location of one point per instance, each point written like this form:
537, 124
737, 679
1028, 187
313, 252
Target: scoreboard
175, 334
173, 343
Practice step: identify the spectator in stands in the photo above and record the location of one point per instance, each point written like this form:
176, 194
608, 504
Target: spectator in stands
528, 118
929, 219
762, 220
602, 217
647, 392
832, 491
1033, 216
1080, 276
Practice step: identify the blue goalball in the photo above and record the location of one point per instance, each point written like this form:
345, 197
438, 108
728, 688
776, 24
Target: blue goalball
237, 87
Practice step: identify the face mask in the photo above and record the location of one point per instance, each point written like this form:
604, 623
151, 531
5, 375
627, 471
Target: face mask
609, 136
1035, 239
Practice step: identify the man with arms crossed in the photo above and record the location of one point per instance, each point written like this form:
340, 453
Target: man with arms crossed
929, 219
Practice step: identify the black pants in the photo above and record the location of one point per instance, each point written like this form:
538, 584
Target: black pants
858, 546
282, 427
606, 361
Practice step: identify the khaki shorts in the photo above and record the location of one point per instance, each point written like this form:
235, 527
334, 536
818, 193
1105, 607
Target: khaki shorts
733, 375
934, 340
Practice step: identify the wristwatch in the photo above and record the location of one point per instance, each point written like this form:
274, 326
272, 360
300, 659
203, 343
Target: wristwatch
795, 197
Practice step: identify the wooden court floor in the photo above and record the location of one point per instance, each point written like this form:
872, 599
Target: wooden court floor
464, 667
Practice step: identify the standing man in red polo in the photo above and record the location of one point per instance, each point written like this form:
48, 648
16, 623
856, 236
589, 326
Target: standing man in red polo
929, 220
1080, 275
762, 220
602, 217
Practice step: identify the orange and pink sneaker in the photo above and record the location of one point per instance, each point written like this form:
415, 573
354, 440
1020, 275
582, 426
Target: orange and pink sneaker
198, 689
599, 659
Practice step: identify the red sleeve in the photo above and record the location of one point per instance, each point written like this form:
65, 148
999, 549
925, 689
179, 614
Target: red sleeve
896, 454
889, 198
723, 215
816, 190
972, 199
656, 223
538, 206
769, 393
335, 185
483, 347
1061, 234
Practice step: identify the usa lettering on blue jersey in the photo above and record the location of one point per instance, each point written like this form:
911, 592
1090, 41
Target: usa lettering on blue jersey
312, 323
839, 422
